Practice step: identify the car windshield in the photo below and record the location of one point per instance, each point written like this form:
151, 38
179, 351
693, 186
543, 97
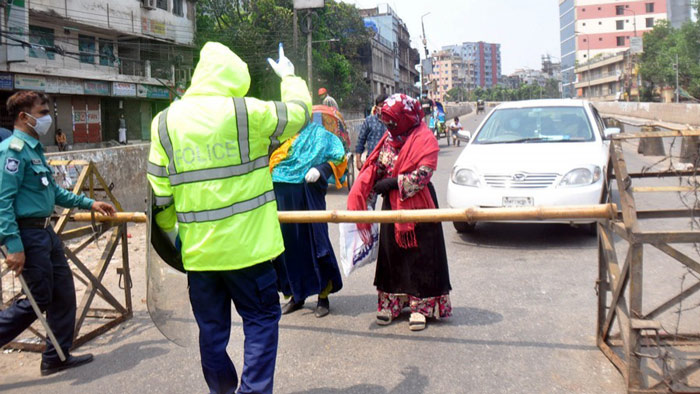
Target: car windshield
537, 124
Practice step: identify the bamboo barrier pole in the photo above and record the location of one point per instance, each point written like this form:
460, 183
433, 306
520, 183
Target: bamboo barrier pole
120, 217
573, 212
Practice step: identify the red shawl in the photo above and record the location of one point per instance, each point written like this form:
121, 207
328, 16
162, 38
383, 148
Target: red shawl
420, 149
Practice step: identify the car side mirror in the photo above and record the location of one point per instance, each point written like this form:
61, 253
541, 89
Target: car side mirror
464, 135
608, 132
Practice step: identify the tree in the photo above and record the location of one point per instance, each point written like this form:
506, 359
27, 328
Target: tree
457, 94
253, 30
661, 46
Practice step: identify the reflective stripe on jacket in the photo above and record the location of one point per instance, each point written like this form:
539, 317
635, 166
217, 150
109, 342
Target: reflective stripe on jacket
209, 162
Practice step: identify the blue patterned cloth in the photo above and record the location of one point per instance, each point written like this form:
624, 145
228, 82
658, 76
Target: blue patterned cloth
371, 132
314, 146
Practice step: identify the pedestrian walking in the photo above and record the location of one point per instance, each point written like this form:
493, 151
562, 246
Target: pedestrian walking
326, 99
209, 170
61, 140
122, 129
300, 169
371, 131
28, 194
412, 263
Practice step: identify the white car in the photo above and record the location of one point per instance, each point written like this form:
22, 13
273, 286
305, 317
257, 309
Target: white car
533, 153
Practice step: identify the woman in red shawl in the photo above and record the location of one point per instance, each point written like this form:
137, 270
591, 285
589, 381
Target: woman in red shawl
412, 264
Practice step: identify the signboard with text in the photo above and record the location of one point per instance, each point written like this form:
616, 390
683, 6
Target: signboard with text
152, 91
30, 82
97, 88
6, 82
123, 89
304, 4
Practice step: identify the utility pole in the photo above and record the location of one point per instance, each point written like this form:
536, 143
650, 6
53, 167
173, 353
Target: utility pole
295, 22
677, 87
309, 72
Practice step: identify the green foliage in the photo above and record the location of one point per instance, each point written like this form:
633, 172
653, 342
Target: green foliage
661, 46
524, 92
457, 94
253, 30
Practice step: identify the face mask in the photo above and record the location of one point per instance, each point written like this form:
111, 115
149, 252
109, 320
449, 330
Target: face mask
42, 124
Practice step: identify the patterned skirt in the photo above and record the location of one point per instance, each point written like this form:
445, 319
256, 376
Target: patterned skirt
418, 277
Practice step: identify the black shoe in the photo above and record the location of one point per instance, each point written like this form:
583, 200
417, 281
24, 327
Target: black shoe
292, 306
48, 368
322, 308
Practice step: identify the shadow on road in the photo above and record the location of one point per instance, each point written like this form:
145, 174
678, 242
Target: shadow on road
413, 383
528, 236
113, 363
423, 336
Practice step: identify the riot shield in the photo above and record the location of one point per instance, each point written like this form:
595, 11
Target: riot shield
167, 296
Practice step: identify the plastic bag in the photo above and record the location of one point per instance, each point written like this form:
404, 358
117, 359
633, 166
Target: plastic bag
353, 252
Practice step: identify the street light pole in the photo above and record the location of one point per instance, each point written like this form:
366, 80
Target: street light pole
425, 47
309, 69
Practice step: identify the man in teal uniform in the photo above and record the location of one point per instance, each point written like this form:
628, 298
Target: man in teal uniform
28, 194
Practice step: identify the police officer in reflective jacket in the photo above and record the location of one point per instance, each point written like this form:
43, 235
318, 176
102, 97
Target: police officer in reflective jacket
28, 194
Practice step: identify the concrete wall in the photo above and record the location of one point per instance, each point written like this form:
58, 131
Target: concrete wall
125, 166
669, 113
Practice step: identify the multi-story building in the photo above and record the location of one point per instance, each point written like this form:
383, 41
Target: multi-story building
595, 28
449, 71
392, 33
609, 77
97, 60
486, 59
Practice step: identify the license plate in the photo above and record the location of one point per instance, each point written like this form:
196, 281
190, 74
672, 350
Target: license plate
518, 202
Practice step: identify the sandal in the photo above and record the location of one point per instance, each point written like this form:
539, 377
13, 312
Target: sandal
416, 322
384, 317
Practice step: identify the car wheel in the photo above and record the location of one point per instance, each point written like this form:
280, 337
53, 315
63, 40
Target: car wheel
464, 227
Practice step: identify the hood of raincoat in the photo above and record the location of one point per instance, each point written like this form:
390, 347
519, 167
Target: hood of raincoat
220, 72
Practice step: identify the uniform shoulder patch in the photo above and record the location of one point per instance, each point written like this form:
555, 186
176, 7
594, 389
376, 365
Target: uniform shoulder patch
16, 144
11, 165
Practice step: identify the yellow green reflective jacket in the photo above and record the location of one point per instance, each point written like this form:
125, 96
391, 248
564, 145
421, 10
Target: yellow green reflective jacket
208, 163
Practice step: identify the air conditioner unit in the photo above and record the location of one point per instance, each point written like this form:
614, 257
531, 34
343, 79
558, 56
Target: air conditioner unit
148, 4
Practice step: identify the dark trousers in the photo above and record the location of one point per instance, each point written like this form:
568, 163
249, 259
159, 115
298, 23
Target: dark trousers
50, 281
253, 291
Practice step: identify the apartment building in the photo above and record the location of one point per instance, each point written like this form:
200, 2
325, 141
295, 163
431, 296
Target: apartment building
449, 71
392, 34
590, 29
97, 60
485, 58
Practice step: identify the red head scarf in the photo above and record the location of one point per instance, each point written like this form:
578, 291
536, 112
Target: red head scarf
401, 114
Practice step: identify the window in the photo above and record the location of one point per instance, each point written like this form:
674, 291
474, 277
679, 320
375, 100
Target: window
600, 38
620, 25
620, 41
107, 57
41, 36
650, 7
585, 40
583, 24
619, 10
177, 8
600, 23
86, 46
162, 4
650, 22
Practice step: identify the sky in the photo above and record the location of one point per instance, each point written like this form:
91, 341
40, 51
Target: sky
526, 29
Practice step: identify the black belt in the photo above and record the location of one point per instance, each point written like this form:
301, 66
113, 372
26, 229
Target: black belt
33, 223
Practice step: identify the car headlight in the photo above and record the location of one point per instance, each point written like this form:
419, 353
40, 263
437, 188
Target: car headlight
581, 177
465, 177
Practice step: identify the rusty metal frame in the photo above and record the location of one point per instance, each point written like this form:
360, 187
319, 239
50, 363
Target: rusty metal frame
621, 283
118, 311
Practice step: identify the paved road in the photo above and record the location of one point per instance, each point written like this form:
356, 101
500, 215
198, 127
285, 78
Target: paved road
524, 315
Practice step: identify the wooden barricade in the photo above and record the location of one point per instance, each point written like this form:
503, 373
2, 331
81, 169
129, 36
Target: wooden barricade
91, 321
632, 338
